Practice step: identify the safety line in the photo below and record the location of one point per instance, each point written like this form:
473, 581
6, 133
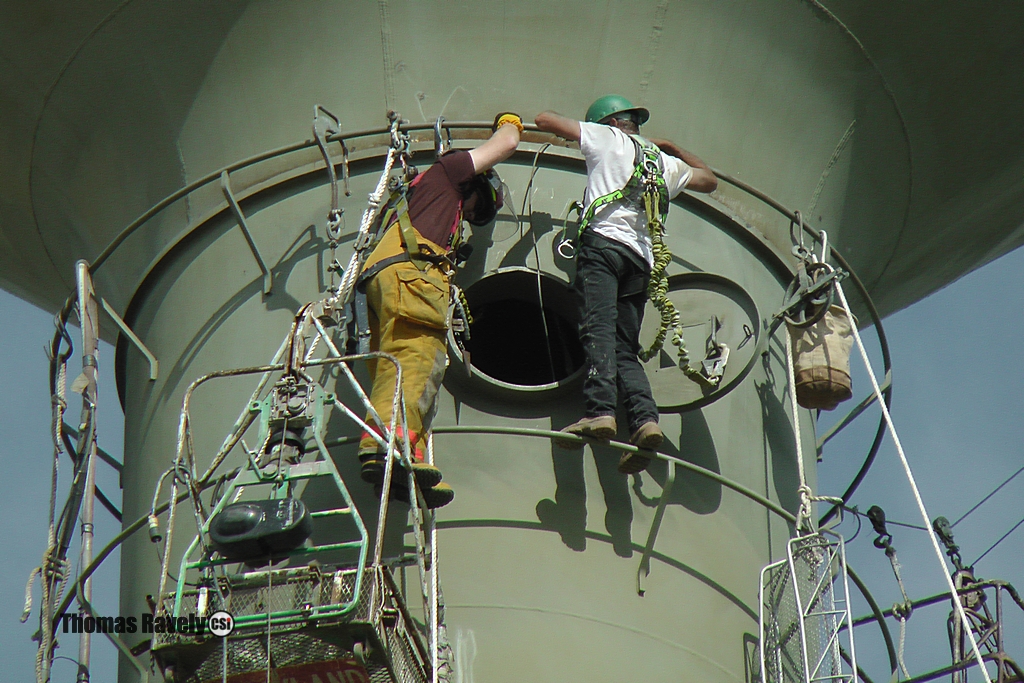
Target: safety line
913, 484
804, 491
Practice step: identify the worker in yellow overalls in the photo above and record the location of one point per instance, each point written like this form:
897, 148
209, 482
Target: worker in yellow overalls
406, 282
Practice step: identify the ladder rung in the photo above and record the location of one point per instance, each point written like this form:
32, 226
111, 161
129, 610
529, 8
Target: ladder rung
328, 513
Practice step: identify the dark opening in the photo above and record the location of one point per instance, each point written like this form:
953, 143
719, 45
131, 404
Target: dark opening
509, 340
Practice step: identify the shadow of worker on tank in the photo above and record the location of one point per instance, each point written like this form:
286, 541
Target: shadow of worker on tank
567, 513
694, 492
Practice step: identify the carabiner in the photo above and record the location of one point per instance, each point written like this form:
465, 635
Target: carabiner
567, 249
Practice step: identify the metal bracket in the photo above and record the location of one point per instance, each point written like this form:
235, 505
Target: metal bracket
121, 646
716, 355
268, 277
644, 570
154, 365
714, 365
440, 146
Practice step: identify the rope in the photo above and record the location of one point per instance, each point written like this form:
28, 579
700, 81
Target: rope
348, 280
903, 640
399, 144
442, 657
901, 610
52, 571
803, 515
913, 484
28, 593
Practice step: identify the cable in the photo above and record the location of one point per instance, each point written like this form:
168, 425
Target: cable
993, 546
528, 197
985, 499
858, 513
804, 491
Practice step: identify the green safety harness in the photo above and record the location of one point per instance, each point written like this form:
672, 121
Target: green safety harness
646, 187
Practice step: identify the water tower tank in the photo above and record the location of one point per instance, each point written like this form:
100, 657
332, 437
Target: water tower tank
876, 124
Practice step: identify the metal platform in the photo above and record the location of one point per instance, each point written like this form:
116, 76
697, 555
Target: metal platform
287, 621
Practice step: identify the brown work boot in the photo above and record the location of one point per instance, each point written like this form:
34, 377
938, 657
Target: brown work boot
372, 471
438, 496
601, 427
648, 437
434, 497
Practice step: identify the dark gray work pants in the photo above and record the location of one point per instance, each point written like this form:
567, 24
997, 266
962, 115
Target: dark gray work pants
611, 286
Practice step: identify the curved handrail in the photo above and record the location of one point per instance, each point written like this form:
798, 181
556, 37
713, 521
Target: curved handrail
541, 433
532, 134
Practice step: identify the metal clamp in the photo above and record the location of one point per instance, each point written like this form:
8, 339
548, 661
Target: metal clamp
440, 145
320, 133
399, 140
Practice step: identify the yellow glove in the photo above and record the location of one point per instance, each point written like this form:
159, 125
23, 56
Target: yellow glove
507, 117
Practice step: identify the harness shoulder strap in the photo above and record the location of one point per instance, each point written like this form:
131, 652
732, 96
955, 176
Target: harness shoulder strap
409, 241
648, 173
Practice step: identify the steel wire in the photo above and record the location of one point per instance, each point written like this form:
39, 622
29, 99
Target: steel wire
1001, 539
985, 499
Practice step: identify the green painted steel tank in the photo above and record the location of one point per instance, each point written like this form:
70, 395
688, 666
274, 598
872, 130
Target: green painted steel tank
872, 122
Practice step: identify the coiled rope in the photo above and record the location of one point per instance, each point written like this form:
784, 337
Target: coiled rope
657, 289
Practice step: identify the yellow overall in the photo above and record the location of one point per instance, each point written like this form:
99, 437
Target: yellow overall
408, 310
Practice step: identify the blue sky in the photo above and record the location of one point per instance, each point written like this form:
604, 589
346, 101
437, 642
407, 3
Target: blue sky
957, 406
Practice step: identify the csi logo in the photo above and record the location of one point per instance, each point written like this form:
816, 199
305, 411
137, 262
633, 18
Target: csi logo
221, 624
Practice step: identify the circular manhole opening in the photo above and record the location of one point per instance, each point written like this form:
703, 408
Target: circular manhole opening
524, 333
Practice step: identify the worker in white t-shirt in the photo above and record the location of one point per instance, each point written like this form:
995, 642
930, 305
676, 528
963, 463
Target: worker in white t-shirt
613, 266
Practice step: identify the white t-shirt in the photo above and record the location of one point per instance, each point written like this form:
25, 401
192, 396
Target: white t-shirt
610, 156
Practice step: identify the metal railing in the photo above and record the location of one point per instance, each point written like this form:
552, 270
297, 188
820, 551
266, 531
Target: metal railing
368, 141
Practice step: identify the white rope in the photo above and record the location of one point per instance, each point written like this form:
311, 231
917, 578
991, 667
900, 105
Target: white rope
441, 649
903, 640
50, 566
28, 593
433, 582
913, 484
804, 514
348, 280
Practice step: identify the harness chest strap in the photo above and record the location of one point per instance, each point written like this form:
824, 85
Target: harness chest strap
409, 241
646, 180
646, 186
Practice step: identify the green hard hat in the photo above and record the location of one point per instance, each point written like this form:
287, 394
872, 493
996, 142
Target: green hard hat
603, 107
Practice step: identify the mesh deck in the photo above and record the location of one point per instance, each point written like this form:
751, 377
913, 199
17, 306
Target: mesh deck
804, 605
306, 628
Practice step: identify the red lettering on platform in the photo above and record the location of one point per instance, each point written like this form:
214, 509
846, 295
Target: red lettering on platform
346, 670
